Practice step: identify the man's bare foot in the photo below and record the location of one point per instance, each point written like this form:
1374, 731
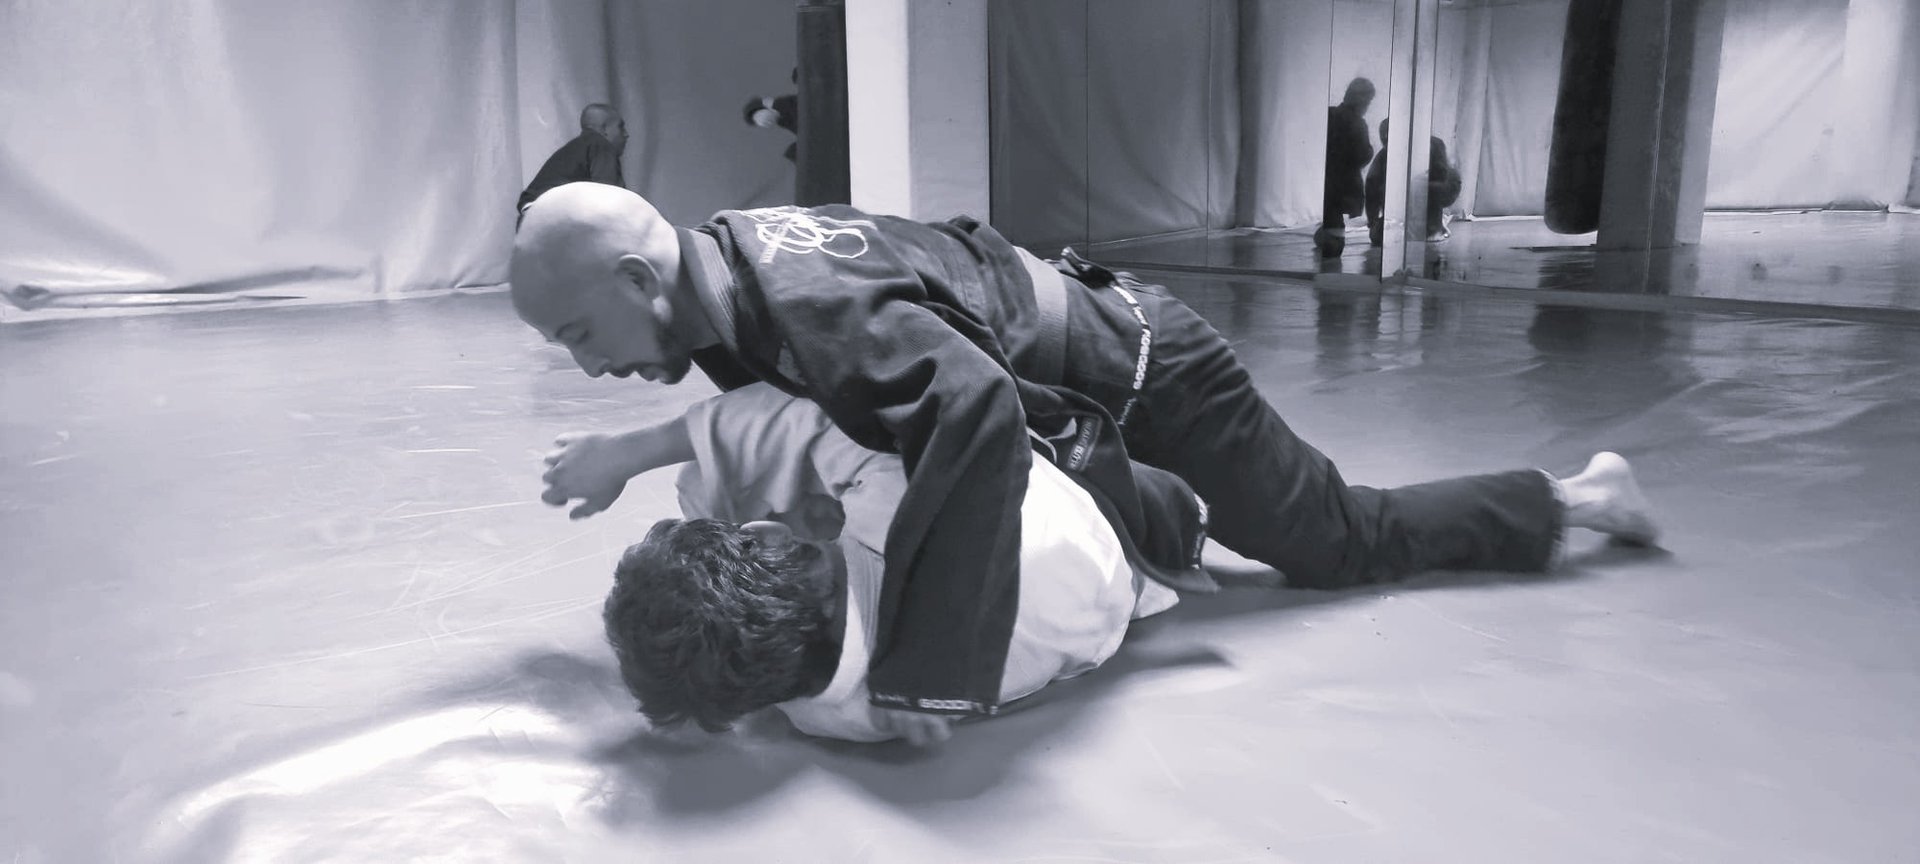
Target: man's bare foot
1606, 498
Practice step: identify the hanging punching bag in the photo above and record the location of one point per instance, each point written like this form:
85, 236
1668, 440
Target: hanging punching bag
821, 158
1578, 159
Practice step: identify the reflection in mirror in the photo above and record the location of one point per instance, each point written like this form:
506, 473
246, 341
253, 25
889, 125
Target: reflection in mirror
1211, 134
1162, 126
1349, 152
1497, 81
1327, 171
1037, 80
1776, 162
1184, 133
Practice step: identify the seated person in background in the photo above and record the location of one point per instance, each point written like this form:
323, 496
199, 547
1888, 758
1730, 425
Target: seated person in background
1443, 188
1377, 191
769, 593
592, 156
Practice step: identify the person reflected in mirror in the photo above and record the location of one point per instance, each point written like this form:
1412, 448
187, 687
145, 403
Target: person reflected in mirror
1349, 146
1443, 189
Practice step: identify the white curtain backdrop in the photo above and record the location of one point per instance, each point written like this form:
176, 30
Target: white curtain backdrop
1163, 126
375, 146
1112, 119
1496, 99
1298, 56
1817, 105
352, 146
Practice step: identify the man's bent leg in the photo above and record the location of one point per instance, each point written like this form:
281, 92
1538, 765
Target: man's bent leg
1278, 500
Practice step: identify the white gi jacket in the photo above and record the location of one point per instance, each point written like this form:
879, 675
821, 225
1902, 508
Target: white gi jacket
763, 454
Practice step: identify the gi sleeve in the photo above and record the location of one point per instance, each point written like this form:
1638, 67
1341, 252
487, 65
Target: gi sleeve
753, 457
896, 375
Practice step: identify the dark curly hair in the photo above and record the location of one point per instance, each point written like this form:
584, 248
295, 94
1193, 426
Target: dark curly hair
710, 625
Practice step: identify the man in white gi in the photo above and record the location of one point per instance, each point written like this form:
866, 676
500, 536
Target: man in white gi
767, 594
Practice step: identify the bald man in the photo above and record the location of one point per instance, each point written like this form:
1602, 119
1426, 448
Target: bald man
966, 355
593, 156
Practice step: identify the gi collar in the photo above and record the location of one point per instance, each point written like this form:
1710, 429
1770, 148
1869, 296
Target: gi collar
713, 282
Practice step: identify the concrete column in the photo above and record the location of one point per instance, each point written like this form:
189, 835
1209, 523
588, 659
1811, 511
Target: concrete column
1660, 133
917, 107
1426, 38
1396, 98
1410, 96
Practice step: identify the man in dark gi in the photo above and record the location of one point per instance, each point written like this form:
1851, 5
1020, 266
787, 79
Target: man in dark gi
1349, 147
592, 156
967, 355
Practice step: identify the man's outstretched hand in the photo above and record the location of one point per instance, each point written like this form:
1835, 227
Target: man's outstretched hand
590, 466
920, 730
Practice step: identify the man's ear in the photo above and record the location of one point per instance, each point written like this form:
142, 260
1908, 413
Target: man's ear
644, 276
771, 534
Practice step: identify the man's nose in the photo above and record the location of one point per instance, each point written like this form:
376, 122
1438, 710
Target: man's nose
593, 366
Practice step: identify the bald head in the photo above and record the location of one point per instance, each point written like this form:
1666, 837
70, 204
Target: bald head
602, 119
596, 269
596, 115
574, 237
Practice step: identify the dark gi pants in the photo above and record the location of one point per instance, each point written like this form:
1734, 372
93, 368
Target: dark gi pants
1273, 497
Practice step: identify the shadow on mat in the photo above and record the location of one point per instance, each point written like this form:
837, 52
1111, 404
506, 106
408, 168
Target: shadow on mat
691, 772
541, 709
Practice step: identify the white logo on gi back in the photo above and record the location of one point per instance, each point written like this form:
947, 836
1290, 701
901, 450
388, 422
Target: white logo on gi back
795, 230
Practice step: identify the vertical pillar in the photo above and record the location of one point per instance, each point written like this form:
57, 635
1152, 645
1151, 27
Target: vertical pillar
1410, 98
1695, 79
1660, 130
1577, 160
917, 107
820, 157
1398, 94
1426, 37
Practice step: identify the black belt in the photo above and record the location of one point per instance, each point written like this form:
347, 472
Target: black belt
1050, 298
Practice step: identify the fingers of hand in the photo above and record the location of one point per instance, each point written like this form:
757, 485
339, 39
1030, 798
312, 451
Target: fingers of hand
556, 492
918, 729
930, 729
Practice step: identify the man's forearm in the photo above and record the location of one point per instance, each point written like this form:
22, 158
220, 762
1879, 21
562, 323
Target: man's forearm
657, 446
